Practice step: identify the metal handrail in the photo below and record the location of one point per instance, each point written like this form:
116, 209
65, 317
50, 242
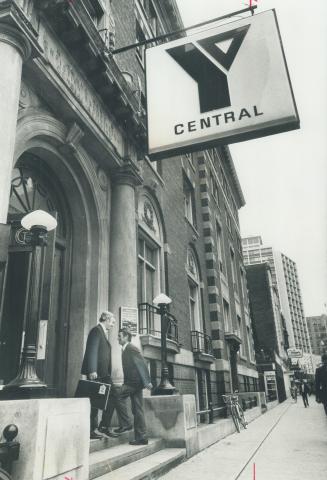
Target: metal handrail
201, 342
150, 323
210, 411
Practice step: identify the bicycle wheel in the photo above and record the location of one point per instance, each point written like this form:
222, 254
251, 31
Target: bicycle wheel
235, 418
241, 416
4, 475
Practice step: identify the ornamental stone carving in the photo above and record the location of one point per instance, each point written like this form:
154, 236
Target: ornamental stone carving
103, 179
61, 65
148, 215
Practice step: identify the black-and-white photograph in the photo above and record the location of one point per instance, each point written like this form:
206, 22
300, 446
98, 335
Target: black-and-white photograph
163, 240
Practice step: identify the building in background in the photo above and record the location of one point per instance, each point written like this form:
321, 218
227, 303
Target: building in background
317, 327
285, 277
270, 333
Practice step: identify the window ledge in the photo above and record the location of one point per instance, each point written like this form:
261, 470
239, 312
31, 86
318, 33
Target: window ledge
148, 340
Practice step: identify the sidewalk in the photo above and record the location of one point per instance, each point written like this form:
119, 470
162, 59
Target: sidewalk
288, 442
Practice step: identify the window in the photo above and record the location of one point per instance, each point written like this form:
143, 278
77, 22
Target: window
190, 158
214, 187
229, 222
233, 268
250, 343
220, 249
150, 264
244, 290
226, 316
140, 37
189, 201
149, 281
194, 292
240, 334
152, 18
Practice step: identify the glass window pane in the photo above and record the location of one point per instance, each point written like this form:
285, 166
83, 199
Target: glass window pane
149, 285
149, 254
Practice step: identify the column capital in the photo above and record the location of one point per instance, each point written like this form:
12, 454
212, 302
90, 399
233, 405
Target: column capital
127, 174
16, 39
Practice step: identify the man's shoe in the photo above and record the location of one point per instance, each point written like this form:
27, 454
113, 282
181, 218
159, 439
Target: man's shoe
107, 432
123, 429
95, 436
142, 441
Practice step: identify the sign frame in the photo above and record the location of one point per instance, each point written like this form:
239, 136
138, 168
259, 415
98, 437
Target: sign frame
257, 132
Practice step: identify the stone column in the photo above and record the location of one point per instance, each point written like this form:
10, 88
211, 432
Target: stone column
14, 49
123, 255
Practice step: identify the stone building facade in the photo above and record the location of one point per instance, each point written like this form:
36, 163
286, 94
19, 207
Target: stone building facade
73, 143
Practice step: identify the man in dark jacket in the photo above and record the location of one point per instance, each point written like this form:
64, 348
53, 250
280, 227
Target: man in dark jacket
97, 367
136, 377
321, 382
304, 391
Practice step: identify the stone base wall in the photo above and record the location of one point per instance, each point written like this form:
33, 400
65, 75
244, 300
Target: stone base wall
173, 418
53, 436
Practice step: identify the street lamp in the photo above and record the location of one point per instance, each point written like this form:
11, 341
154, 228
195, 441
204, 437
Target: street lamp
165, 387
27, 384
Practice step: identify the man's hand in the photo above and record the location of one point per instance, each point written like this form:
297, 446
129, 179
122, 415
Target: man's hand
149, 386
318, 400
92, 376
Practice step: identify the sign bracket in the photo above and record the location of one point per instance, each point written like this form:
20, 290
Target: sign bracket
166, 36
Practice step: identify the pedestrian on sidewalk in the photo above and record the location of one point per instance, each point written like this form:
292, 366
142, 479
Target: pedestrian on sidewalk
294, 392
136, 377
321, 382
304, 391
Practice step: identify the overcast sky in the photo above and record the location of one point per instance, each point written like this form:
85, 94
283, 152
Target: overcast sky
284, 176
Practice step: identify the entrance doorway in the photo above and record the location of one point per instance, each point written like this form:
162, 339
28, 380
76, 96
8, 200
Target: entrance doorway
33, 190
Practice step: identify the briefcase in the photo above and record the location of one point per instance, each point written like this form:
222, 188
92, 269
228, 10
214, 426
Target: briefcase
97, 392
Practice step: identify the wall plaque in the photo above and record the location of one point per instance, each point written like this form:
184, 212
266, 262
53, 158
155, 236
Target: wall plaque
128, 318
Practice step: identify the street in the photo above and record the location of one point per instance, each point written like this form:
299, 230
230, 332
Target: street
288, 442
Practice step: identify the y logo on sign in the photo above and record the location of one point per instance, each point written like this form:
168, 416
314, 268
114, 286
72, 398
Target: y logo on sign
212, 80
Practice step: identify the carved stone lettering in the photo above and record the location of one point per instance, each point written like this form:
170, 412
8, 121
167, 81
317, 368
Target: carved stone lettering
82, 91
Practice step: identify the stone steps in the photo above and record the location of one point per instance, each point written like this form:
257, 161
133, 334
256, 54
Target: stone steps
112, 458
108, 442
151, 466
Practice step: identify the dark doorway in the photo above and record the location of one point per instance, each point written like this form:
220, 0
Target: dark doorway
13, 314
32, 190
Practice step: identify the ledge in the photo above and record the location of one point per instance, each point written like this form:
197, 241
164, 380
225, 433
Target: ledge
233, 338
152, 341
203, 357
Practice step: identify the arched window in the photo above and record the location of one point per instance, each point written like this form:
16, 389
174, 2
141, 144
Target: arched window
194, 292
150, 264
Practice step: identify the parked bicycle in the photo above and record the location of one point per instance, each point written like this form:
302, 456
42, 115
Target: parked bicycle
236, 411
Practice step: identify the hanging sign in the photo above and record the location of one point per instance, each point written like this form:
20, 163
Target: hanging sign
294, 352
227, 84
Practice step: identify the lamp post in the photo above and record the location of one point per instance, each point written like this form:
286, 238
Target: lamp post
27, 384
165, 387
